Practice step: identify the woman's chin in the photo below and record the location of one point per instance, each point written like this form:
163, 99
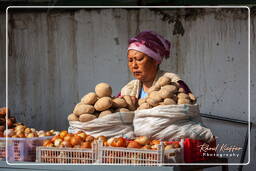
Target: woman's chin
139, 77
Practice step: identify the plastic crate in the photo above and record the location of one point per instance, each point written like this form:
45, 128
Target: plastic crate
2, 150
66, 155
131, 156
20, 149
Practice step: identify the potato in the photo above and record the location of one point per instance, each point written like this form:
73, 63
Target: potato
170, 88
155, 95
145, 106
153, 88
164, 93
105, 113
183, 96
122, 110
103, 103
169, 101
183, 101
130, 105
175, 98
141, 101
103, 90
89, 98
72, 117
161, 104
162, 81
152, 102
86, 117
192, 97
181, 90
119, 103
83, 108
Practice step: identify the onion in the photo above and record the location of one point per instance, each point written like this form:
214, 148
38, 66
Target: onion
86, 145
109, 141
31, 135
57, 142
68, 137
143, 140
76, 140
65, 144
9, 132
63, 133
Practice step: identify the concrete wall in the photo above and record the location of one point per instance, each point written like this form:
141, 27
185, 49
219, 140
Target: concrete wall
55, 57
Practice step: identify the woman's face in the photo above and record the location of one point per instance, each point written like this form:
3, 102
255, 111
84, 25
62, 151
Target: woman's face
142, 66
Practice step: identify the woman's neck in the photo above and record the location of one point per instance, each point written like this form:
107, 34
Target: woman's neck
147, 85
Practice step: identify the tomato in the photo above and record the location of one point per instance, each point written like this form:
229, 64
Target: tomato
134, 144
86, 145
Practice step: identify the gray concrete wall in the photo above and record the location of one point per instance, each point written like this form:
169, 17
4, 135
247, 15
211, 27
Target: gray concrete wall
56, 57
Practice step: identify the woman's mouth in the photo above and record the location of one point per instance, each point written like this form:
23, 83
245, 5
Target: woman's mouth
137, 73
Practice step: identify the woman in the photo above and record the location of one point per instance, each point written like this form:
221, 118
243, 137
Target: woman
145, 53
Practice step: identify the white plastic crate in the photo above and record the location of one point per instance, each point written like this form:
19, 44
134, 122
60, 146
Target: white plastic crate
131, 156
66, 155
2, 150
20, 149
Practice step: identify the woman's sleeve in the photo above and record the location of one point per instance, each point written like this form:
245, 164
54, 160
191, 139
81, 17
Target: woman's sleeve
184, 86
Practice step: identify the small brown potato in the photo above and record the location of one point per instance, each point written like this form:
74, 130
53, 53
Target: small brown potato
119, 103
181, 90
141, 101
176, 84
161, 104
89, 98
103, 103
164, 93
72, 117
153, 88
144, 106
105, 113
103, 90
192, 97
83, 108
169, 101
152, 102
170, 88
130, 105
155, 95
183, 96
86, 117
122, 110
162, 81
175, 98
183, 101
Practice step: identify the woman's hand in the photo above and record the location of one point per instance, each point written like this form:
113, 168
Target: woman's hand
132, 102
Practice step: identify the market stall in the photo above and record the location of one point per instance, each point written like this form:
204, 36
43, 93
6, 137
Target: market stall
165, 128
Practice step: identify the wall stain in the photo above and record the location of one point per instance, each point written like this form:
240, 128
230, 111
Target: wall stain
178, 28
116, 40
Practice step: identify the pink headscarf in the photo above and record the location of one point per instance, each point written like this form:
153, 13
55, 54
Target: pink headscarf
152, 44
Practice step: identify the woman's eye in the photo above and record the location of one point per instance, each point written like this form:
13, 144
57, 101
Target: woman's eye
130, 59
140, 59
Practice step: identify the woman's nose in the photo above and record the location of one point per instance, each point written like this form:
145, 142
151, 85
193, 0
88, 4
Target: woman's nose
134, 64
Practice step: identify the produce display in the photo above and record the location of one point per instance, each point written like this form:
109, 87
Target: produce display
165, 92
68, 140
18, 130
82, 140
11, 122
80, 147
83, 148
99, 104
